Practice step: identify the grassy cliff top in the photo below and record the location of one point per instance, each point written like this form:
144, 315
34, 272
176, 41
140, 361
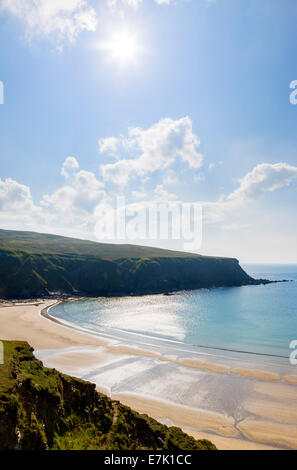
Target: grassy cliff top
39, 265
42, 409
31, 242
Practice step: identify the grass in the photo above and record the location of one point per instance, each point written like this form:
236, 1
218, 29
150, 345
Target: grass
31, 242
38, 265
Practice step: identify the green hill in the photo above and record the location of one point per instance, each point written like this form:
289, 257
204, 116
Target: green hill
42, 409
40, 265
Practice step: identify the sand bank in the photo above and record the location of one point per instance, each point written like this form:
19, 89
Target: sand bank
255, 374
269, 432
290, 378
224, 443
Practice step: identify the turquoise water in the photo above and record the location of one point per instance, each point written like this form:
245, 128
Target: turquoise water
252, 319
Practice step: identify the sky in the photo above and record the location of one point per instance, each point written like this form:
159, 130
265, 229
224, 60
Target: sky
155, 101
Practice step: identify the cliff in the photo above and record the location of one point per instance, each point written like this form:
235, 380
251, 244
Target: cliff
39, 265
42, 409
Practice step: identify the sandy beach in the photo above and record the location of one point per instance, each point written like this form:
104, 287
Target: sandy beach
262, 412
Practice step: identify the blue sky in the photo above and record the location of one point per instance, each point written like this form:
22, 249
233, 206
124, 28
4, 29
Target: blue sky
199, 112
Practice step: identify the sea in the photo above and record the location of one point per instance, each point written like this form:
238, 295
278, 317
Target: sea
255, 322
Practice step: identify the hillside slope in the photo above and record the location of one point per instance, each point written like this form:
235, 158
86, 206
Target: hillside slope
39, 265
43, 409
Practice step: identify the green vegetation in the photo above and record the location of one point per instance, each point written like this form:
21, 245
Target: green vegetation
43, 409
40, 243
38, 265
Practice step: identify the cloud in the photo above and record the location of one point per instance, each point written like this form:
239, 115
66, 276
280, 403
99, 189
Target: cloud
63, 18
116, 4
139, 195
109, 145
14, 195
162, 195
158, 194
79, 197
163, 2
235, 226
133, 3
69, 210
69, 166
17, 208
156, 148
265, 177
73, 208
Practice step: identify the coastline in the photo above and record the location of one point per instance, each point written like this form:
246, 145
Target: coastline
64, 297
268, 421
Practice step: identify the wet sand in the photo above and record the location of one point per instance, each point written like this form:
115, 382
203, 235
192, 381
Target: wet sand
235, 407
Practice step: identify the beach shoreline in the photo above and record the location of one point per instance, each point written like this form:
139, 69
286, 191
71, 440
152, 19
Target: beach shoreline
257, 430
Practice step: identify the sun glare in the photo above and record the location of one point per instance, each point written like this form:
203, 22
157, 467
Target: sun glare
123, 47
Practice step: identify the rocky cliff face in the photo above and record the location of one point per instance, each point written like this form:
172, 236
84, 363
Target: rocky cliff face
43, 409
37, 265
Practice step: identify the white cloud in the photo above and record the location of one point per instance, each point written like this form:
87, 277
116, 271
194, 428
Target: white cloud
72, 208
115, 4
156, 148
162, 195
265, 177
139, 195
109, 145
17, 208
63, 18
82, 193
118, 173
158, 194
235, 226
14, 195
81, 196
133, 3
163, 2
69, 166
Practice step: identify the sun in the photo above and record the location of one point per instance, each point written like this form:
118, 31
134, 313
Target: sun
123, 47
